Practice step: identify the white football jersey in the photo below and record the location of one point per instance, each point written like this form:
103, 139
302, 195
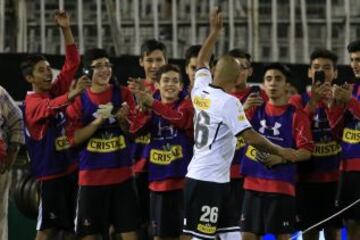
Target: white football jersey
219, 117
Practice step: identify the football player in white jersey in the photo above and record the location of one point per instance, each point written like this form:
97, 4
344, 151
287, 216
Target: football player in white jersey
219, 118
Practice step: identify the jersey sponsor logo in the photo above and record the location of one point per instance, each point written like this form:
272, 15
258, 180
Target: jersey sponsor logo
166, 156
106, 145
351, 136
251, 152
206, 228
326, 149
274, 129
62, 143
145, 139
240, 143
202, 103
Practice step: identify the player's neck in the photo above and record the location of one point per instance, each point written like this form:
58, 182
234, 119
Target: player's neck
279, 101
96, 88
168, 101
226, 87
36, 89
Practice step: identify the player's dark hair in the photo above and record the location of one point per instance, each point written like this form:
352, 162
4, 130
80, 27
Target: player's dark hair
167, 68
239, 53
324, 53
193, 52
28, 64
151, 45
280, 67
354, 46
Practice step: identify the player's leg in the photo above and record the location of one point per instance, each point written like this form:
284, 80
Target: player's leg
202, 208
167, 214
124, 213
251, 221
91, 220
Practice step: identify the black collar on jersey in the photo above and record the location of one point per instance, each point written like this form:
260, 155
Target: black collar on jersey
217, 87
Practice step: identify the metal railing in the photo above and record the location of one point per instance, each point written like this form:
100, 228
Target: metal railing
120, 26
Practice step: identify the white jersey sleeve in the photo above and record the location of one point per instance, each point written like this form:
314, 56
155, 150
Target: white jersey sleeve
234, 116
202, 78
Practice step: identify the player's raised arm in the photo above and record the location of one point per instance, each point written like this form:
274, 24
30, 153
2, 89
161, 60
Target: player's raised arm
62, 19
216, 24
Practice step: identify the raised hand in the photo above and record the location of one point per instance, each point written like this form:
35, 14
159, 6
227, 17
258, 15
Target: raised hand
62, 19
216, 20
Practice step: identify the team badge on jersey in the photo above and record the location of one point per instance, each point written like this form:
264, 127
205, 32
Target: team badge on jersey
202, 103
241, 117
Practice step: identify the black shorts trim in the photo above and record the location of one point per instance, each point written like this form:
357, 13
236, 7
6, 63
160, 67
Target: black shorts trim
228, 229
196, 234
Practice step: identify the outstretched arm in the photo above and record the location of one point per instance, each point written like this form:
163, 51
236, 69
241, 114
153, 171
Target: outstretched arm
216, 24
62, 19
255, 139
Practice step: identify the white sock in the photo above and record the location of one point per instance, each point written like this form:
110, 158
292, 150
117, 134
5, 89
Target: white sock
230, 236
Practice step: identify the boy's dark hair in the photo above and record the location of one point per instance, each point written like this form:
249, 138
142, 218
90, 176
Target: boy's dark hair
239, 53
193, 52
354, 46
280, 67
324, 53
27, 65
167, 68
93, 54
151, 45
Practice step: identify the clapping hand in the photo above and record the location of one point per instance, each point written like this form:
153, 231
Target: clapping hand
342, 94
135, 84
104, 111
